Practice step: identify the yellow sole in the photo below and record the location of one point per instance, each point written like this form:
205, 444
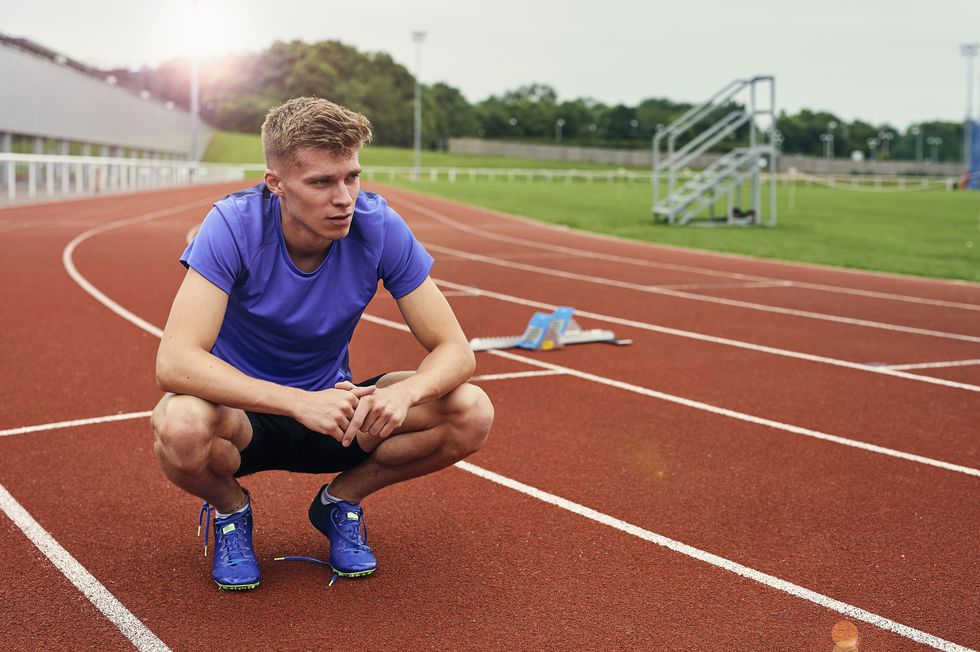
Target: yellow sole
236, 587
357, 574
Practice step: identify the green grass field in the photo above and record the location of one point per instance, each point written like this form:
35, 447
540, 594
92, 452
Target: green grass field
927, 233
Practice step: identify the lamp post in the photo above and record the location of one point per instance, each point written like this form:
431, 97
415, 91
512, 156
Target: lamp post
418, 37
885, 137
634, 123
828, 139
935, 142
873, 147
916, 131
968, 50
195, 95
559, 123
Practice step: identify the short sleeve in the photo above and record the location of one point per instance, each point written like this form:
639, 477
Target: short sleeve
404, 262
215, 252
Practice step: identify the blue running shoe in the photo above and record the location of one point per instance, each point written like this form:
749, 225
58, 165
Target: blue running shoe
343, 524
235, 565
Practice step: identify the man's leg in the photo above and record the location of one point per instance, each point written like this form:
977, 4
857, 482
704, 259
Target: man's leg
197, 444
434, 436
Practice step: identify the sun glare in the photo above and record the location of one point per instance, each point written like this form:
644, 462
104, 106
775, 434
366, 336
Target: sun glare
207, 28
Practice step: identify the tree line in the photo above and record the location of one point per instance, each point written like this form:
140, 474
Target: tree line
237, 90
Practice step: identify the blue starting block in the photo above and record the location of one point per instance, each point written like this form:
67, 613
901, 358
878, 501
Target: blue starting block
546, 332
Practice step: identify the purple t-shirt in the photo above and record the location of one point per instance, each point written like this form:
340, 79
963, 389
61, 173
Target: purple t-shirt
287, 326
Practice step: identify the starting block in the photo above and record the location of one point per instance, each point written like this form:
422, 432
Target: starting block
548, 331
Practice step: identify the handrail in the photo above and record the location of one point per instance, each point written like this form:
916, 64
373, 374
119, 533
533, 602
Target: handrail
679, 126
718, 132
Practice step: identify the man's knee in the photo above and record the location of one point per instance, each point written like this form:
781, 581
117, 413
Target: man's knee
183, 428
471, 415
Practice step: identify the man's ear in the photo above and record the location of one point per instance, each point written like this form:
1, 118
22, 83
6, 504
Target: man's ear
273, 181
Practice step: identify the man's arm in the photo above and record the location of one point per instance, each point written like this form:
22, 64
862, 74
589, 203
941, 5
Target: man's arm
185, 365
449, 363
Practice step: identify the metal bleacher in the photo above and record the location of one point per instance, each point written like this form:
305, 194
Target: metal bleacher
694, 197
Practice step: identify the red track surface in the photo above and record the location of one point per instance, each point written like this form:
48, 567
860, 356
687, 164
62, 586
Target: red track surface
467, 563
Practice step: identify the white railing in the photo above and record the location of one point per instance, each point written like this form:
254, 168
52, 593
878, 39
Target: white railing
455, 174
869, 183
32, 175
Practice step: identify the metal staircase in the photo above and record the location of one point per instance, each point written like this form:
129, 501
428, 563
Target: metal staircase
723, 180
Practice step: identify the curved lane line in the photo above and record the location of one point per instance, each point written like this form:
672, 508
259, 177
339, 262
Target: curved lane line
110, 606
66, 259
439, 217
749, 573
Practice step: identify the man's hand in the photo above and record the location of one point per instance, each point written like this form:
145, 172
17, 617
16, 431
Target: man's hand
378, 415
329, 411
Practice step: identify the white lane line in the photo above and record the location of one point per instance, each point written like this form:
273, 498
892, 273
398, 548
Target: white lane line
736, 285
75, 422
935, 365
66, 259
782, 586
714, 409
677, 294
586, 253
516, 374
716, 340
130, 626
459, 293
719, 562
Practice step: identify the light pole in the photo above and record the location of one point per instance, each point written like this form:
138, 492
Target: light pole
885, 137
916, 131
418, 37
873, 147
828, 139
559, 123
195, 95
935, 142
968, 50
634, 123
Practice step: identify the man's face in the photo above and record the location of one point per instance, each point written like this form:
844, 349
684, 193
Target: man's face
317, 190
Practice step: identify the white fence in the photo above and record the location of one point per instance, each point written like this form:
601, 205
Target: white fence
32, 175
882, 183
454, 174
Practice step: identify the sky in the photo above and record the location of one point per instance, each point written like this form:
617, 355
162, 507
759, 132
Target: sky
895, 62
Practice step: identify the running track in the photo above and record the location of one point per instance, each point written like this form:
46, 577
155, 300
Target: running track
782, 448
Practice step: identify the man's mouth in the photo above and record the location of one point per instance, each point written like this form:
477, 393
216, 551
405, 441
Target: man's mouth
342, 220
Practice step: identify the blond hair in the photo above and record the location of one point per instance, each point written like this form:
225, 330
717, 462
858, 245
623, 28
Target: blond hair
312, 123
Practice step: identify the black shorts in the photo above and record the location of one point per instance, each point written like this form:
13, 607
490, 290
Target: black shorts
284, 444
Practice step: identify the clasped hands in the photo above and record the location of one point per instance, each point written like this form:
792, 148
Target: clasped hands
347, 411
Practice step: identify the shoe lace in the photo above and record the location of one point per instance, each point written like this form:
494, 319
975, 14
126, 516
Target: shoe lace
234, 550
353, 531
350, 531
205, 518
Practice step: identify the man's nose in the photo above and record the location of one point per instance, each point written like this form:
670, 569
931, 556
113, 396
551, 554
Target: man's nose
341, 196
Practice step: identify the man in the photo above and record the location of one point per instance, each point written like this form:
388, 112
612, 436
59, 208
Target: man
254, 357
